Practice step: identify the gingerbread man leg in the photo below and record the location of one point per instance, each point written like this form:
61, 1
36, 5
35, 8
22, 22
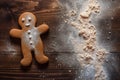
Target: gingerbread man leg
27, 56
39, 54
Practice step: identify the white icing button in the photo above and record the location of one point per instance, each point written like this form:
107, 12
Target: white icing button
31, 43
30, 36
29, 31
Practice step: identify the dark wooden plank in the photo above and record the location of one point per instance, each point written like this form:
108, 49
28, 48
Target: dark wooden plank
47, 11
55, 41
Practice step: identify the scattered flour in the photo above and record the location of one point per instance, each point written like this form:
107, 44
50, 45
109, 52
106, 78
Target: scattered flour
90, 53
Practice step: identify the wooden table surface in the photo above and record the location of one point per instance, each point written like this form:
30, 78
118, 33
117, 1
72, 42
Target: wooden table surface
50, 12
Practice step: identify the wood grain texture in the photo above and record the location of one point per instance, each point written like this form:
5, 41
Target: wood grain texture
47, 11
50, 12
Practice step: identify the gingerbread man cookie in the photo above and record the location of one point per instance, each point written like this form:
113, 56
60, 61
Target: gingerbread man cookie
30, 38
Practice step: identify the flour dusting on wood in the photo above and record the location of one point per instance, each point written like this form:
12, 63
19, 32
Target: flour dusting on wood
91, 54
88, 52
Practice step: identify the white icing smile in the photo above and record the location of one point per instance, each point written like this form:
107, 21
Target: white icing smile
27, 24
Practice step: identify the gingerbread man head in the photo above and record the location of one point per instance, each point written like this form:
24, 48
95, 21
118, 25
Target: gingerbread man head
27, 20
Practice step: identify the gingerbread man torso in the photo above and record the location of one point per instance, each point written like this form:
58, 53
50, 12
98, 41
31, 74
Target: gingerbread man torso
31, 37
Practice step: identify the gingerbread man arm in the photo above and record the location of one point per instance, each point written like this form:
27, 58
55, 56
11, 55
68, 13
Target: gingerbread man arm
43, 28
16, 33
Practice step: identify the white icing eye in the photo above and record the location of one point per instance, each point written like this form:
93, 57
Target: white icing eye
23, 19
29, 19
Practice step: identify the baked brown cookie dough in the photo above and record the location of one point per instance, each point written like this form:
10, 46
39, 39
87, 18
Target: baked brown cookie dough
30, 38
